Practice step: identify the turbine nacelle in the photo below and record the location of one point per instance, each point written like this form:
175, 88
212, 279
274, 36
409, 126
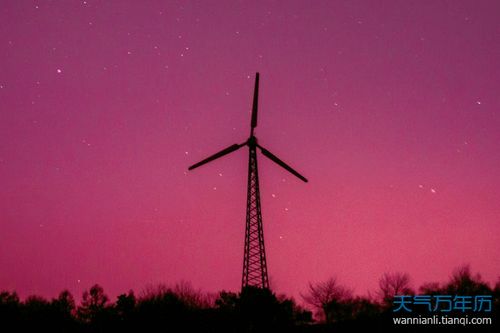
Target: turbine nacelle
252, 141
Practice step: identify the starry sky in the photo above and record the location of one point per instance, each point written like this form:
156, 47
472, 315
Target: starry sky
389, 108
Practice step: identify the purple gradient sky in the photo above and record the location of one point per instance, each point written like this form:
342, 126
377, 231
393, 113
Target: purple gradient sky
390, 108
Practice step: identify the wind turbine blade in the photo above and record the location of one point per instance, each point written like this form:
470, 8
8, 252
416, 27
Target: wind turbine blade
255, 102
223, 152
275, 159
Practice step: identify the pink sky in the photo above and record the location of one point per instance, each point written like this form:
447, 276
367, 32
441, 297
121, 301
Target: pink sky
390, 109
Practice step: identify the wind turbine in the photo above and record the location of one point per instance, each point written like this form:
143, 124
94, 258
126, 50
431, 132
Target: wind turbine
254, 258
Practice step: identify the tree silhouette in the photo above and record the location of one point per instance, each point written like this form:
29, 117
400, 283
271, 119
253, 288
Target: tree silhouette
125, 304
192, 297
125, 314
64, 312
161, 307
463, 282
37, 312
64, 303
10, 310
258, 310
328, 298
431, 288
182, 308
392, 284
94, 309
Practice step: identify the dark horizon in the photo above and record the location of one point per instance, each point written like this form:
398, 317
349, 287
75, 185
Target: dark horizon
465, 269
329, 305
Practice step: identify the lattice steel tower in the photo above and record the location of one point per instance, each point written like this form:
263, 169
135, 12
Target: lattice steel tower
254, 257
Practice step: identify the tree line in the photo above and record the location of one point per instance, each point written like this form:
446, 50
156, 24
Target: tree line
330, 306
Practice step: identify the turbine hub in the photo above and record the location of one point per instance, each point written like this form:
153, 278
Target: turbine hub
252, 141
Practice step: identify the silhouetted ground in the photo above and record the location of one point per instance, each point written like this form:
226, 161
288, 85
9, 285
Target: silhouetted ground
183, 309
